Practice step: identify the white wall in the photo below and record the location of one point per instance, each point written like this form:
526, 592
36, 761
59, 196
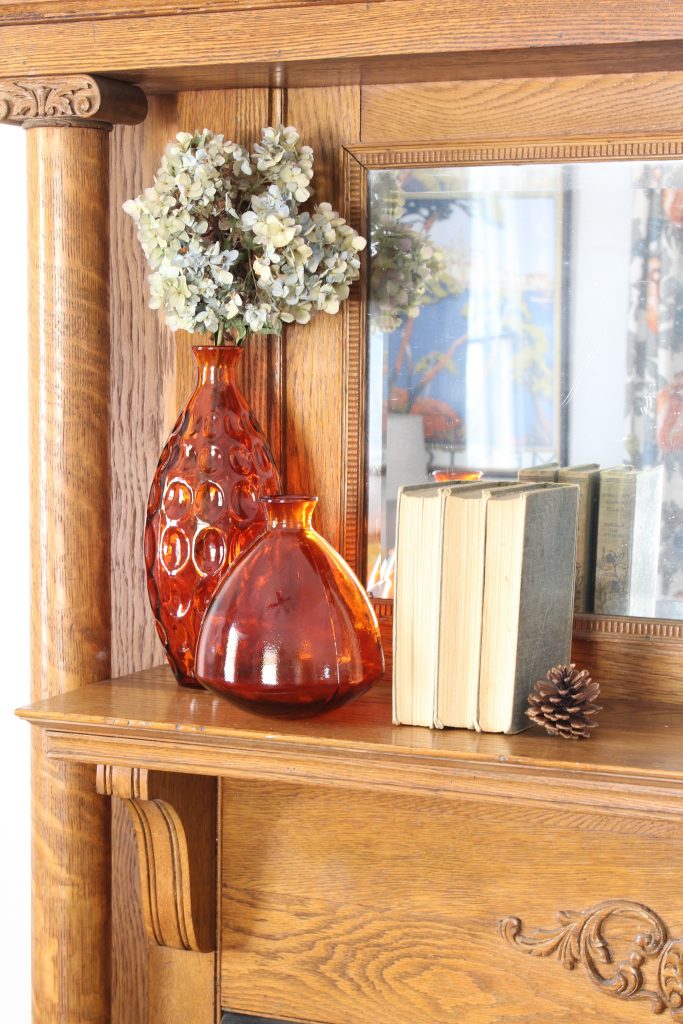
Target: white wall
14, 590
600, 275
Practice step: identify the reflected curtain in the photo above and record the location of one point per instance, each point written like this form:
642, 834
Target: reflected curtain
655, 360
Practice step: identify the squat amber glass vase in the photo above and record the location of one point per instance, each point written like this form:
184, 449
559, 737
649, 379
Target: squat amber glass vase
290, 630
203, 507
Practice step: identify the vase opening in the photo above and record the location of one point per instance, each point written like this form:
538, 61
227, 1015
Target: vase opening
289, 511
216, 363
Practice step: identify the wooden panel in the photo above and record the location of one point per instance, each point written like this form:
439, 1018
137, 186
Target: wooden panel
320, 923
316, 377
520, 16
70, 606
328, 31
181, 986
129, 990
143, 401
632, 668
501, 110
45, 10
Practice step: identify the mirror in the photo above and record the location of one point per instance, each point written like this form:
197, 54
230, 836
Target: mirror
525, 315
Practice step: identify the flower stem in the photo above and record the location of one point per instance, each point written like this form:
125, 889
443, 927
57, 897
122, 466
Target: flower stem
219, 336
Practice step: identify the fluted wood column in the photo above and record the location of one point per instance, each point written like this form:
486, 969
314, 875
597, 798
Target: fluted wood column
68, 180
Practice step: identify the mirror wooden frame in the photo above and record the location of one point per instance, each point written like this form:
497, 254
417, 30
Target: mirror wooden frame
655, 644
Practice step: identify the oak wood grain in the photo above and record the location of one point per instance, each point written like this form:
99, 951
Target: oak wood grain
129, 978
143, 389
582, 106
145, 45
387, 908
552, 61
315, 377
70, 604
181, 986
52, 10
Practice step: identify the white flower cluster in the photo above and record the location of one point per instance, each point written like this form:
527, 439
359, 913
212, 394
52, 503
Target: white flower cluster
407, 267
228, 247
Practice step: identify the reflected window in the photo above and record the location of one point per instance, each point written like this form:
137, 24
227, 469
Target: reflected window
520, 316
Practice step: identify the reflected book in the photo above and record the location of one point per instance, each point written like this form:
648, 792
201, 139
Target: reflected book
629, 526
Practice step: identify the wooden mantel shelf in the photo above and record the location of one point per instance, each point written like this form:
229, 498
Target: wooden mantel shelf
146, 720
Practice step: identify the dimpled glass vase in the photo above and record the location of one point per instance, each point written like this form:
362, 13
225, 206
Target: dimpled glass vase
203, 507
290, 630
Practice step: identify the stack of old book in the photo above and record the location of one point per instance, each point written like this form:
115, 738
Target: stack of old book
484, 600
489, 575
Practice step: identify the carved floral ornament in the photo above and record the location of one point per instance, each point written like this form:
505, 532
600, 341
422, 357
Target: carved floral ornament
72, 97
85, 98
580, 939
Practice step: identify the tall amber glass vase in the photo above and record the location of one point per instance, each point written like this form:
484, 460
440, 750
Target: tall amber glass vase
290, 630
204, 506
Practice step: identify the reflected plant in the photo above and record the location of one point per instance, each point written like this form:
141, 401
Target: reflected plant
408, 271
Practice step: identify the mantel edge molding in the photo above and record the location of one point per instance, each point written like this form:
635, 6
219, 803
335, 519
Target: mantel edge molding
85, 101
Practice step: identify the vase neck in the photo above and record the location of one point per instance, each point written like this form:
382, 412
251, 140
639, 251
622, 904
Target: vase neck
217, 363
289, 512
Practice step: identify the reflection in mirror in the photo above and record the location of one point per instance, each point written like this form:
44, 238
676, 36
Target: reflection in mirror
528, 315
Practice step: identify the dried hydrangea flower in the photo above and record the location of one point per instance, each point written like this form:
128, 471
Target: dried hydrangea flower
228, 247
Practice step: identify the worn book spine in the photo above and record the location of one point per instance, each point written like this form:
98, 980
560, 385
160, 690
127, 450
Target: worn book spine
615, 542
416, 608
587, 479
528, 599
461, 596
546, 473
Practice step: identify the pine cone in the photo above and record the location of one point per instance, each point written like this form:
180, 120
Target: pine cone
563, 702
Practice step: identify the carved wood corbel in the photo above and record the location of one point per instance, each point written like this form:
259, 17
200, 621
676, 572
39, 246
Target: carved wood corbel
579, 939
85, 101
174, 820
